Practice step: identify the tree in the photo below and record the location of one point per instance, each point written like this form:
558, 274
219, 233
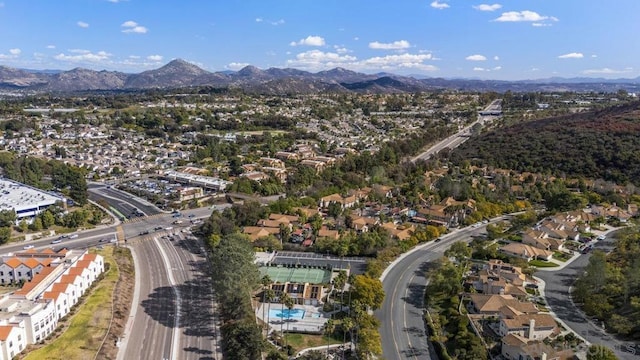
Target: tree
368, 291
5, 234
276, 355
48, 219
7, 218
266, 282
600, 352
289, 303
369, 343
459, 250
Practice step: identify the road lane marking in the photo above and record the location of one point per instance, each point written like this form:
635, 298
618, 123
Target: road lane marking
175, 336
406, 294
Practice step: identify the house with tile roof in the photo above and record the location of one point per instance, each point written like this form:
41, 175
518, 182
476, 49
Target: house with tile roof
516, 347
526, 252
494, 305
529, 326
13, 339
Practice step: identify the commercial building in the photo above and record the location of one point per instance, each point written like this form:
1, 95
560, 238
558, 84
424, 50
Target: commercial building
26, 201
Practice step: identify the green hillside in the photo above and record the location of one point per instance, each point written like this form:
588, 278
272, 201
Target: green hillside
602, 145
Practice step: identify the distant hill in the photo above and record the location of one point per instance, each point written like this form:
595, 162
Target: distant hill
600, 145
179, 73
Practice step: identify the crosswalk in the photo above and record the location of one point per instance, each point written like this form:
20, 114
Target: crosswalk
141, 218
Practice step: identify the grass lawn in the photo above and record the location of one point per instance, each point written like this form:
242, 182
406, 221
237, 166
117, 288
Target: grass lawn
86, 329
560, 256
304, 341
542, 263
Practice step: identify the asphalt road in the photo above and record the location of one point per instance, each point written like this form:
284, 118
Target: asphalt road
122, 201
403, 330
557, 294
458, 138
174, 318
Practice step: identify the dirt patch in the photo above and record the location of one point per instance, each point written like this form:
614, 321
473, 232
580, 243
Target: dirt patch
123, 295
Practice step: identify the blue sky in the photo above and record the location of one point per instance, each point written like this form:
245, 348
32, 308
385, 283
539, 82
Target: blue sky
507, 39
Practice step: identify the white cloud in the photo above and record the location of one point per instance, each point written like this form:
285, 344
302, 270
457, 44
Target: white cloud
396, 45
524, 16
487, 7
439, 5
496, 58
51, 46
82, 24
341, 49
476, 57
135, 57
274, 23
13, 54
155, 57
236, 65
80, 56
480, 69
310, 40
79, 51
356, 38
497, 68
534, 69
594, 56
133, 27
536, 24
606, 71
319, 60
573, 55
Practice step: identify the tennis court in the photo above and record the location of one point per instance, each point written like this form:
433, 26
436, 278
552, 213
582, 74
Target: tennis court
296, 275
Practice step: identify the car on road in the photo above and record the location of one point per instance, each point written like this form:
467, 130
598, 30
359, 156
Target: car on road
74, 236
57, 241
27, 247
146, 232
158, 228
600, 237
438, 240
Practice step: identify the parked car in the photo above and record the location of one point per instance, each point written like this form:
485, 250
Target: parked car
600, 237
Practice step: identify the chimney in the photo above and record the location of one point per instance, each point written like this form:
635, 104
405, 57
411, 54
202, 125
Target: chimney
532, 327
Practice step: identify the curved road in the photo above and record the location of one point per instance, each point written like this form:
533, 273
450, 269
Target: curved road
557, 292
402, 312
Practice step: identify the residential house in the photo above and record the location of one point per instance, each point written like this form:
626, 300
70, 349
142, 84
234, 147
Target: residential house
516, 347
526, 252
529, 326
345, 202
324, 232
257, 232
495, 305
318, 166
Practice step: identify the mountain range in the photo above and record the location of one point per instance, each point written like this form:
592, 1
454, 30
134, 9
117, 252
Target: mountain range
180, 74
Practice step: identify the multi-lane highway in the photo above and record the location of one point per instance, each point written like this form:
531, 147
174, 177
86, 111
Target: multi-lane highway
173, 312
123, 202
173, 316
402, 313
458, 138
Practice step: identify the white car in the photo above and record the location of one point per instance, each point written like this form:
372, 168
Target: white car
600, 237
27, 247
56, 241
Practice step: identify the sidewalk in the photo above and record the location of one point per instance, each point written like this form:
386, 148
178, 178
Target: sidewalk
562, 265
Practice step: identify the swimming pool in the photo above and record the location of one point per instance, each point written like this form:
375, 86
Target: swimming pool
286, 313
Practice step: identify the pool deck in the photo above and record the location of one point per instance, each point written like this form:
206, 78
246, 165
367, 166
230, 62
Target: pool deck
308, 324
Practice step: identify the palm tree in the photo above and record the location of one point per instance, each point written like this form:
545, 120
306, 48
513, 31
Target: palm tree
269, 296
289, 303
284, 299
329, 328
347, 325
266, 282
